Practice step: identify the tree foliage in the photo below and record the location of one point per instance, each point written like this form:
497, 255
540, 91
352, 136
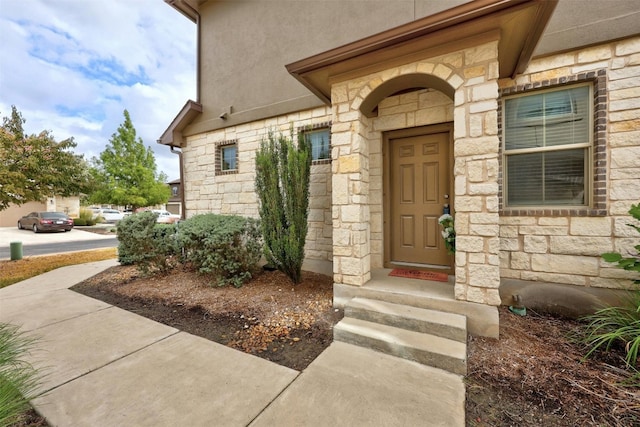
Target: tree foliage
282, 182
33, 167
126, 171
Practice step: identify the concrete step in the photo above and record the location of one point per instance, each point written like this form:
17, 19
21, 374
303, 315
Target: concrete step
427, 349
438, 323
482, 319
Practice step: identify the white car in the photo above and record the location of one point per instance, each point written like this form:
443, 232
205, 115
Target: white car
165, 217
111, 215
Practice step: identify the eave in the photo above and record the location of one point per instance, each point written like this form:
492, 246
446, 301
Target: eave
188, 8
517, 24
173, 135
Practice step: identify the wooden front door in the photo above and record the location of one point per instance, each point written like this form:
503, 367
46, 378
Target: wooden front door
418, 188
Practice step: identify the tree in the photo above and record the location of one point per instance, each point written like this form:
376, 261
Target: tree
126, 172
33, 167
282, 182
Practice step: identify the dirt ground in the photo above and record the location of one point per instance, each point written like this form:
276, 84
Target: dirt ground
532, 376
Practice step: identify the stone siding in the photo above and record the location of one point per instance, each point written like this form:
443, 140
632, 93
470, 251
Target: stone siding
234, 193
566, 248
346, 215
357, 165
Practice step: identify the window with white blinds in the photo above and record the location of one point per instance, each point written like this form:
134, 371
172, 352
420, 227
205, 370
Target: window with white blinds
547, 139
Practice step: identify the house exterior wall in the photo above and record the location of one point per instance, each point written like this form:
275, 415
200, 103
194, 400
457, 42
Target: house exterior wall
10, 216
564, 248
69, 205
270, 34
234, 193
492, 244
346, 216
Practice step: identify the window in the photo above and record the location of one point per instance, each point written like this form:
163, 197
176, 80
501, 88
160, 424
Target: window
174, 190
320, 143
226, 157
547, 147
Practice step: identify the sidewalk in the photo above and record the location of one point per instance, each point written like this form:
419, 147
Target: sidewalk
109, 367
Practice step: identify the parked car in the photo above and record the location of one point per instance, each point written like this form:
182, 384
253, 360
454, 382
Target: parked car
95, 212
46, 221
165, 217
111, 215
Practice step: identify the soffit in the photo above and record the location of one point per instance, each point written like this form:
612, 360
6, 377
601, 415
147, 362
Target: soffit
517, 24
173, 135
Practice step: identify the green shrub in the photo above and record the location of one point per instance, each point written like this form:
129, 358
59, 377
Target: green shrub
225, 246
282, 183
86, 214
630, 263
18, 379
86, 218
612, 326
150, 246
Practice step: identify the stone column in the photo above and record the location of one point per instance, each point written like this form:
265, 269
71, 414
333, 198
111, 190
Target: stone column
350, 190
476, 150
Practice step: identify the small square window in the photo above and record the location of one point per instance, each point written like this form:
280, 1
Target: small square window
226, 157
229, 155
320, 143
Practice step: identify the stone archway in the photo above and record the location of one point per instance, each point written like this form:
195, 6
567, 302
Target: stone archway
469, 78
402, 83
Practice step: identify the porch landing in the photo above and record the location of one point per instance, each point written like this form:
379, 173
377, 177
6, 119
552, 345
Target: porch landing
482, 320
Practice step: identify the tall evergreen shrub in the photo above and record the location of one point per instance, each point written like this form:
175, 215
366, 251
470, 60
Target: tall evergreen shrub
283, 172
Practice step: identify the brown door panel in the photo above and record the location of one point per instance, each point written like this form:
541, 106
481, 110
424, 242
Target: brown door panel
419, 180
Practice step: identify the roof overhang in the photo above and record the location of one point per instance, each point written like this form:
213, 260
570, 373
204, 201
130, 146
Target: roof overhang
516, 24
188, 8
173, 135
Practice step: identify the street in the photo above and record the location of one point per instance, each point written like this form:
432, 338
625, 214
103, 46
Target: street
55, 248
52, 243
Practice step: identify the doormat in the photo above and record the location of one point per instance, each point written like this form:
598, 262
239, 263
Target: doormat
419, 274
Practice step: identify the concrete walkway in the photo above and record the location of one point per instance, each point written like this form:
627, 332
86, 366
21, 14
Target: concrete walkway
108, 367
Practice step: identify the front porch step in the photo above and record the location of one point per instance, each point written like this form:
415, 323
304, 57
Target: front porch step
438, 323
482, 320
428, 349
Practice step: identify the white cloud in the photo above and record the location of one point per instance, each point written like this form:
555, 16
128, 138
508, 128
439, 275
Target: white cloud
73, 66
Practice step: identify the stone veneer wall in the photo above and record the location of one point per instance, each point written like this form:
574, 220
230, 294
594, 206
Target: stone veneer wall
234, 193
357, 165
565, 247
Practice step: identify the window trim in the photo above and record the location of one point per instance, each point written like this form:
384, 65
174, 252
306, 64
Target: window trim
220, 145
597, 195
317, 127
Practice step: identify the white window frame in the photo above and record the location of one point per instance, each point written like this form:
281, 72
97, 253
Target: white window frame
586, 145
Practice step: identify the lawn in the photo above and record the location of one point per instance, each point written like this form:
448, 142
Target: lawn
15, 271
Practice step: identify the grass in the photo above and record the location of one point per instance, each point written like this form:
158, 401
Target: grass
15, 271
18, 379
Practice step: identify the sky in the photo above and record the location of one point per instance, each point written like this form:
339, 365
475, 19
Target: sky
73, 66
